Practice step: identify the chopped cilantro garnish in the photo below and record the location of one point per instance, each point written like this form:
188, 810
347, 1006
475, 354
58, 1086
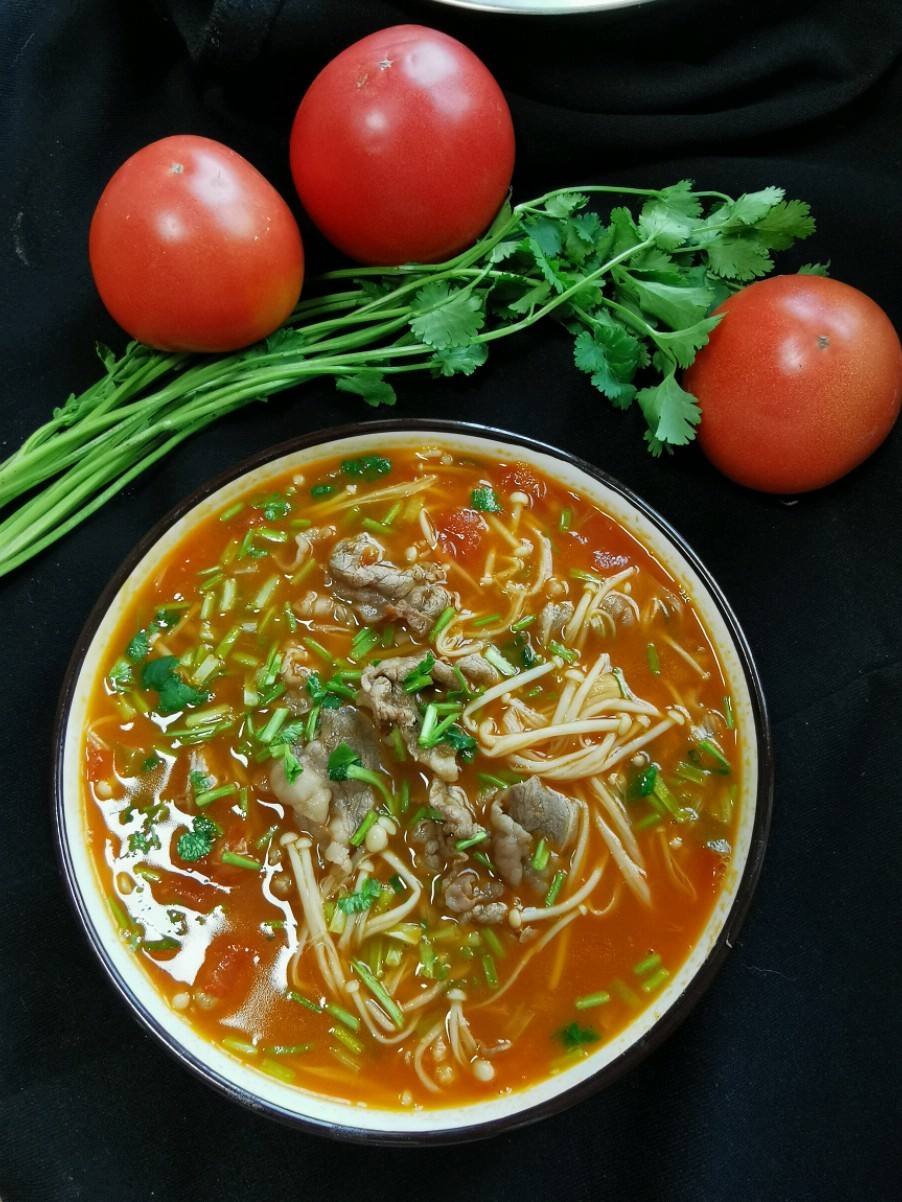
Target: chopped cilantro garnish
485, 500
138, 647
174, 693
293, 766
199, 780
199, 840
574, 1036
419, 677
356, 903
152, 761
369, 467
465, 745
345, 764
120, 675
322, 490
273, 506
144, 840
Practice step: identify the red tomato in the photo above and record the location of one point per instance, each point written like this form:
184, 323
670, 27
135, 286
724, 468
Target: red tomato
227, 969
799, 383
402, 148
193, 250
519, 477
460, 532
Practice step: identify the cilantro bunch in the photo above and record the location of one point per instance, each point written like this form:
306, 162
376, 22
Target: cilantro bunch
635, 290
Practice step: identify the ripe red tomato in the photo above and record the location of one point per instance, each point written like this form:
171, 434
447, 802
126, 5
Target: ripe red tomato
800, 381
193, 250
402, 149
460, 532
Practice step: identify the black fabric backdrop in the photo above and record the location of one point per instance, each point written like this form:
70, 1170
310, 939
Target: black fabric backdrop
783, 1081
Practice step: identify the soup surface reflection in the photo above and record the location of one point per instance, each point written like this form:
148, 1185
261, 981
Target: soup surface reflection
413, 780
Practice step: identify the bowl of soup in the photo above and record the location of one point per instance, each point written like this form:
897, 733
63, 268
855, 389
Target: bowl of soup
413, 780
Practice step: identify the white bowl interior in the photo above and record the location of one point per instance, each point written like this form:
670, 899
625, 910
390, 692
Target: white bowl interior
289, 1101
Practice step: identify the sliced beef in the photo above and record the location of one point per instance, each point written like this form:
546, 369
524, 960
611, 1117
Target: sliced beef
382, 692
378, 589
467, 896
552, 619
542, 811
523, 813
331, 810
438, 837
511, 846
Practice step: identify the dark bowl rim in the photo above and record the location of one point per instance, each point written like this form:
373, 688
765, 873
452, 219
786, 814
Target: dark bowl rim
662, 1028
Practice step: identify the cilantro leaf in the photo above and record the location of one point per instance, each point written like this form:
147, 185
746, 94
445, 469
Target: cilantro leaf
120, 675
814, 269
683, 344
369, 384
671, 414
341, 760
672, 216
138, 647
458, 360
356, 903
678, 300
785, 223
610, 356
739, 257
465, 745
485, 500
368, 467
274, 506
445, 316
293, 766
174, 693
198, 842
574, 1036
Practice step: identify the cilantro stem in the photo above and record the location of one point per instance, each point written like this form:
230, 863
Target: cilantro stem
438, 317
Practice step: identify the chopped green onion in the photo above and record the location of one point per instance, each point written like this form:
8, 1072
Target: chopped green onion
206, 796
645, 966
523, 623
479, 837
281, 1071
445, 617
343, 1058
728, 713
488, 968
240, 1046
303, 1001
375, 527
228, 514
687, 771
363, 830
481, 858
380, 993
289, 1049
623, 991
555, 887
318, 649
624, 688
210, 582
493, 943
651, 983
430, 721
497, 660
166, 944
716, 754
398, 746
274, 725
363, 642
654, 664
485, 621
351, 1042
565, 520
541, 856
351, 1021
592, 999
239, 861
565, 653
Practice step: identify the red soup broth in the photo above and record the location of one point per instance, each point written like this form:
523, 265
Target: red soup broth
434, 966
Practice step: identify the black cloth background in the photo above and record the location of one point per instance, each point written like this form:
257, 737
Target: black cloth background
783, 1081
